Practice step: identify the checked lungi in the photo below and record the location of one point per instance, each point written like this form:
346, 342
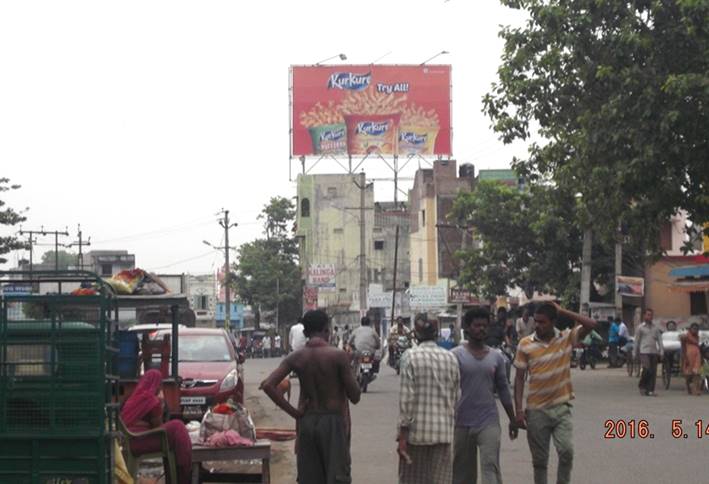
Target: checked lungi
430, 464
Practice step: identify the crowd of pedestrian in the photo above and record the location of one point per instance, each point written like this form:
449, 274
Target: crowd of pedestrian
449, 429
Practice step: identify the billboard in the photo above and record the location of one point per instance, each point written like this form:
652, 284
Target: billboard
630, 286
371, 109
322, 276
422, 297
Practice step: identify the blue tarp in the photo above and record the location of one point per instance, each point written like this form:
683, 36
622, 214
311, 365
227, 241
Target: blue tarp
691, 271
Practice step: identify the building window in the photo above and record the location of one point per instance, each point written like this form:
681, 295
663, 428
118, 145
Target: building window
378, 245
201, 302
697, 303
106, 269
338, 231
377, 230
420, 270
332, 192
343, 289
305, 208
423, 218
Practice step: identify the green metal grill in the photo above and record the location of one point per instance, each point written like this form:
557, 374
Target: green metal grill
56, 386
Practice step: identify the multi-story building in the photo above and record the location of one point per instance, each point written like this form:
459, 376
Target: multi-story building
106, 263
328, 231
202, 294
434, 238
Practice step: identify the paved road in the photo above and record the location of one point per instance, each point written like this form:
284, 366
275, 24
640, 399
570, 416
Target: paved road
602, 394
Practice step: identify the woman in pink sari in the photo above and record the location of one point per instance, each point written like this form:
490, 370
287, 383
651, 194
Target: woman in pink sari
143, 411
692, 361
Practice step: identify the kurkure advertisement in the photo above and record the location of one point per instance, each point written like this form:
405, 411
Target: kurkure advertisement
371, 109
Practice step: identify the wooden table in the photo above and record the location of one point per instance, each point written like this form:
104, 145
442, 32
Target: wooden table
260, 451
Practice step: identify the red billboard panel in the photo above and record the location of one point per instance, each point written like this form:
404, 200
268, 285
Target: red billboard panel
368, 109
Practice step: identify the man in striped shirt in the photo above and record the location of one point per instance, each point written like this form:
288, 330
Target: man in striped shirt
430, 389
545, 356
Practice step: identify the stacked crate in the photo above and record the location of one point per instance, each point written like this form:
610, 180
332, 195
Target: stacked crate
56, 417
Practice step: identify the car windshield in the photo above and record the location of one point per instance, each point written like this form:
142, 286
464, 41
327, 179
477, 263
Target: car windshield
201, 347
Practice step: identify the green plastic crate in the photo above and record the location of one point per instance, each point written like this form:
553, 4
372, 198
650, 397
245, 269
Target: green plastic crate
50, 461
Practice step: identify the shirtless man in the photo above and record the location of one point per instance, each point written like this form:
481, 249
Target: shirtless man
326, 383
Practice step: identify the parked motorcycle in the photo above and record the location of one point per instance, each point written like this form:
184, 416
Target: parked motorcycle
402, 344
365, 370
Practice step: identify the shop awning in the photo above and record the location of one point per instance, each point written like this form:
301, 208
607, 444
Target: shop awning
690, 286
691, 271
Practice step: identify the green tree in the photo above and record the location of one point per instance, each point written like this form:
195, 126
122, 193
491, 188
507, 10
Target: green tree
66, 259
267, 264
9, 217
618, 94
529, 240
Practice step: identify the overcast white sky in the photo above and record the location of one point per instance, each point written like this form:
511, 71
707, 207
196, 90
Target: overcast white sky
141, 119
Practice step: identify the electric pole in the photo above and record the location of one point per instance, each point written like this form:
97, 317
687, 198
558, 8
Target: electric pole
227, 277
226, 224
393, 289
43, 232
586, 272
362, 185
81, 245
31, 240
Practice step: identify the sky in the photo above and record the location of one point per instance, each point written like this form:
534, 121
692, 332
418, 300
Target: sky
141, 120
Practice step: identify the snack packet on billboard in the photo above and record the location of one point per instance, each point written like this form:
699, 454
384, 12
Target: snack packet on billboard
374, 133
417, 140
329, 139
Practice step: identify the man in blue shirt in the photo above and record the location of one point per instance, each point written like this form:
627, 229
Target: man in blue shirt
477, 424
613, 343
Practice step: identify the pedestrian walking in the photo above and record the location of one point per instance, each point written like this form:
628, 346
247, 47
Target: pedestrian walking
296, 337
267, 346
692, 362
613, 340
545, 357
525, 324
648, 344
477, 423
326, 384
430, 388
277, 348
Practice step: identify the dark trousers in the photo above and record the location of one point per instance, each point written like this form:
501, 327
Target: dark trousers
649, 373
323, 449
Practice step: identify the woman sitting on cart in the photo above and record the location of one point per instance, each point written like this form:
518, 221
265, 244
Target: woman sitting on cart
144, 411
692, 363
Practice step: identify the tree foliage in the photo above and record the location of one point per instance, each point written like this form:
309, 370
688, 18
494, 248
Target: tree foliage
9, 217
618, 91
267, 263
66, 259
528, 240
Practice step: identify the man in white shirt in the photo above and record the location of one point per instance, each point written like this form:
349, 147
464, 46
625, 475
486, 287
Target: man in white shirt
524, 325
622, 332
296, 337
267, 346
277, 345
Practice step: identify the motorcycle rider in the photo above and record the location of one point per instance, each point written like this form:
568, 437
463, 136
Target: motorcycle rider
399, 330
497, 331
366, 339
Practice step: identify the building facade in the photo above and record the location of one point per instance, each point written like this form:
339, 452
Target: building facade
434, 238
106, 263
202, 294
328, 231
677, 285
